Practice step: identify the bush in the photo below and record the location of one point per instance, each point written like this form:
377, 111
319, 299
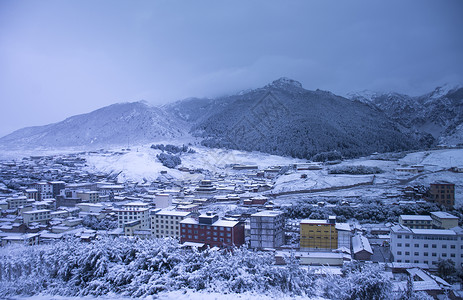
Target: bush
355, 170
327, 156
168, 160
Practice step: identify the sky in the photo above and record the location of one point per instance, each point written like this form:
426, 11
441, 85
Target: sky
62, 58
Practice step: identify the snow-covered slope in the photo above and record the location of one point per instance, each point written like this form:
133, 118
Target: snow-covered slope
117, 124
439, 113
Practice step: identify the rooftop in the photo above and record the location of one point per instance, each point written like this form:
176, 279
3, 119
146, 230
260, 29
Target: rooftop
416, 218
443, 215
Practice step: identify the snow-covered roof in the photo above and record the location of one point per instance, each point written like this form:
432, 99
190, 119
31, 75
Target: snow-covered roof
173, 213
225, 223
434, 231
416, 218
443, 215
267, 213
343, 226
361, 243
36, 211
314, 221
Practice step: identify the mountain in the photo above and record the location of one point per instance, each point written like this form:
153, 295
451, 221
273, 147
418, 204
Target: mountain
439, 113
117, 124
285, 119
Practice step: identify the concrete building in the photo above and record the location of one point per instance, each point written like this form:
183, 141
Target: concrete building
44, 190
443, 220
134, 211
166, 223
36, 216
442, 193
16, 202
163, 200
209, 230
426, 245
88, 196
267, 229
318, 235
57, 186
416, 221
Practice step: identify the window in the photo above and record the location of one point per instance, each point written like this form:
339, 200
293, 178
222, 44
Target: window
399, 252
399, 244
434, 245
425, 253
444, 246
452, 246
444, 254
426, 245
417, 245
407, 253
434, 254
407, 245
416, 254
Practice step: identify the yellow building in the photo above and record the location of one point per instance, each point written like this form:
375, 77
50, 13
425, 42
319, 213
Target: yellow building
318, 234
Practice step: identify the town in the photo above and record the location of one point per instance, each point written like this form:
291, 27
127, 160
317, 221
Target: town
45, 199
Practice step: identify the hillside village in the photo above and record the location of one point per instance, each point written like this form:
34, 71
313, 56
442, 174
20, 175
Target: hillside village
49, 198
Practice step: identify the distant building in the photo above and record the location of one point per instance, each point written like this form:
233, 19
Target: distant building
211, 231
163, 200
44, 190
16, 202
57, 186
442, 193
443, 220
166, 223
416, 221
88, 196
267, 229
206, 188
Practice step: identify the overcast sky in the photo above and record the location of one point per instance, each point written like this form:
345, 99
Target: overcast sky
61, 58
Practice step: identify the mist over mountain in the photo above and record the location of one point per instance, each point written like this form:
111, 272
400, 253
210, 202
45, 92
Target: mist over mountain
439, 113
285, 119
280, 118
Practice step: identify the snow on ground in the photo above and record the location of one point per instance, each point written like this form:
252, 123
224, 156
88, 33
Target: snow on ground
141, 163
318, 179
173, 295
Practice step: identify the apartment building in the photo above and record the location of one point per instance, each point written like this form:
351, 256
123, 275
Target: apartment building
443, 193
16, 202
88, 196
209, 230
426, 245
36, 216
134, 211
318, 235
267, 229
166, 223
416, 221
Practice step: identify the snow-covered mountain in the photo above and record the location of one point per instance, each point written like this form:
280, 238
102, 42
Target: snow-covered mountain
439, 113
283, 118
280, 118
117, 124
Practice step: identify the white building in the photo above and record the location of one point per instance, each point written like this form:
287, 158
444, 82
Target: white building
134, 211
166, 223
267, 229
163, 200
416, 221
41, 215
426, 245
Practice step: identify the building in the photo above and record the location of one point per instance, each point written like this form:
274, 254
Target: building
134, 211
442, 193
426, 245
16, 202
206, 188
416, 221
443, 220
88, 196
361, 248
211, 231
267, 229
32, 194
36, 216
166, 223
57, 186
344, 235
163, 200
44, 190
318, 235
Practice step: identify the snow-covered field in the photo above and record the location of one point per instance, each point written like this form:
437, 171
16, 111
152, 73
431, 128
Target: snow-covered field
180, 294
